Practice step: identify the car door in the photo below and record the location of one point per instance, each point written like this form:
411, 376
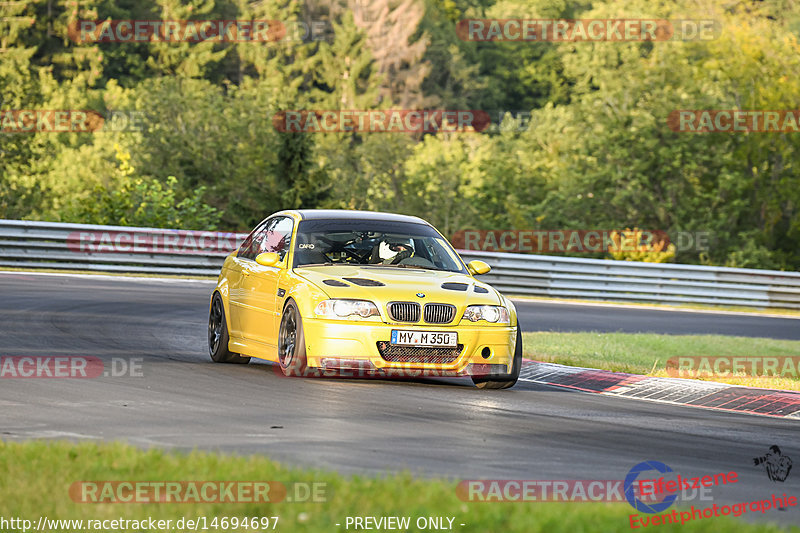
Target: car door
242, 260
260, 305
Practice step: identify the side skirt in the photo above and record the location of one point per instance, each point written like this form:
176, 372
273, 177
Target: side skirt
253, 348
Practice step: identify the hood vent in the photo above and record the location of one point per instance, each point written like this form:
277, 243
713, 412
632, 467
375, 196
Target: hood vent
450, 286
335, 283
364, 282
480, 290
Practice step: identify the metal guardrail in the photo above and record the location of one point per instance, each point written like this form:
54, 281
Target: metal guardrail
25, 244
630, 281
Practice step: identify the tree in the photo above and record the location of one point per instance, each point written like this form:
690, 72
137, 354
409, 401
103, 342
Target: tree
442, 178
186, 59
136, 201
393, 37
301, 182
20, 88
611, 161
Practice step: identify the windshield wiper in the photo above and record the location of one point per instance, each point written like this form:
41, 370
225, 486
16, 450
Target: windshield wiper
317, 265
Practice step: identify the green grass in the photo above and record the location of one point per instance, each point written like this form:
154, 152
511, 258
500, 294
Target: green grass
647, 353
35, 478
665, 306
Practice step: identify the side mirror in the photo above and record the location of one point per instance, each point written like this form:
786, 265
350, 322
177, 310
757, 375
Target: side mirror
478, 267
268, 259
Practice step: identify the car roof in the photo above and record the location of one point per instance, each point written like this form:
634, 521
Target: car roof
348, 214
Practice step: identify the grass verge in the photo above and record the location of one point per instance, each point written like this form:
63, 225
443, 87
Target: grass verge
36, 478
768, 311
647, 353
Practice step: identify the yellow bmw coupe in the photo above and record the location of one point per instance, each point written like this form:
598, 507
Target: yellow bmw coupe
382, 293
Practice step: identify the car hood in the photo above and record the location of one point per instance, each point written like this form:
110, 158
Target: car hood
387, 284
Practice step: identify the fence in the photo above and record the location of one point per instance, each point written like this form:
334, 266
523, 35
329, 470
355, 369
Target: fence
26, 244
629, 281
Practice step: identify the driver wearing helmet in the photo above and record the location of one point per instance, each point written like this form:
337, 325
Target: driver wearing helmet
392, 252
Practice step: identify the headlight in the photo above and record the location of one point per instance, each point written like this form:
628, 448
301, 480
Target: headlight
489, 313
346, 309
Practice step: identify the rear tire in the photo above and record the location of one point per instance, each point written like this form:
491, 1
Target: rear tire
292, 342
503, 381
218, 335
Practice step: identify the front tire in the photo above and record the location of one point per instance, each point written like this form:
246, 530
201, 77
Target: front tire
292, 342
218, 335
504, 381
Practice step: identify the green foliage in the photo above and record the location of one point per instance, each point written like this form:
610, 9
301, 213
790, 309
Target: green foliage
24, 491
148, 203
441, 179
344, 73
20, 88
145, 202
648, 353
302, 184
597, 152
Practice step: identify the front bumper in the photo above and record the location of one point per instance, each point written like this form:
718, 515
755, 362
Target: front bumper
333, 344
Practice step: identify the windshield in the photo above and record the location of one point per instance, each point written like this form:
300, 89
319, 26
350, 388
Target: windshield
379, 243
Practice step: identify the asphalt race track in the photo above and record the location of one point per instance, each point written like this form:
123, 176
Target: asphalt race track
182, 400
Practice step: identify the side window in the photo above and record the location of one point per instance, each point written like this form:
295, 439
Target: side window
247, 250
272, 236
277, 237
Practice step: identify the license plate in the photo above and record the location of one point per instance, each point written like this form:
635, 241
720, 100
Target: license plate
424, 338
